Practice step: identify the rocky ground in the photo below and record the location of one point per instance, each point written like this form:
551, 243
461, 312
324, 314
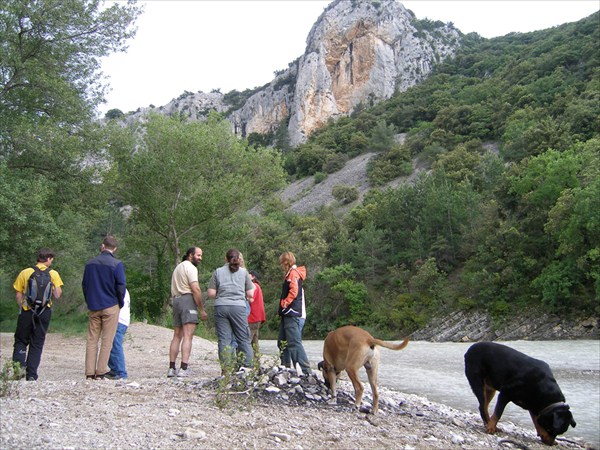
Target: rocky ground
272, 410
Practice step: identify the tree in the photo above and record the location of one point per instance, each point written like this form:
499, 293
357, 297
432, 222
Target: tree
185, 175
382, 137
22, 218
311, 158
114, 113
50, 60
573, 227
49, 86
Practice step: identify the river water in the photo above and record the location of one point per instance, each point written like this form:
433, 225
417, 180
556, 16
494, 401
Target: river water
436, 371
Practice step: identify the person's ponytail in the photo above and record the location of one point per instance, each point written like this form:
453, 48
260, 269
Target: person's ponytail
233, 259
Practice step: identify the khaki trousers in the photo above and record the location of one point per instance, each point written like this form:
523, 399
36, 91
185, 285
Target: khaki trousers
254, 327
102, 326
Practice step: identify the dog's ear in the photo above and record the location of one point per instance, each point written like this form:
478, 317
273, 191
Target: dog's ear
320, 365
572, 419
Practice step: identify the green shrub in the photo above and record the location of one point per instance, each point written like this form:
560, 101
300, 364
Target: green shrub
11, 372
335, 162
345, 194
319, 177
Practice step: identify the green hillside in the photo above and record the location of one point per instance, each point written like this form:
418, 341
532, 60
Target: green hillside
505, 217
513, 227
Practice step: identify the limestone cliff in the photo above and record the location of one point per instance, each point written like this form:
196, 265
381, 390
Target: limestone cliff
358, 53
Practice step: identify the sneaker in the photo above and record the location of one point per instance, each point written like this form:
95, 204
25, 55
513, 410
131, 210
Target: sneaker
113, 376
183, 373
171, 373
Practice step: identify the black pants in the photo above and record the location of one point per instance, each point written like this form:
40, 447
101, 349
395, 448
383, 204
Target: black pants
31, 332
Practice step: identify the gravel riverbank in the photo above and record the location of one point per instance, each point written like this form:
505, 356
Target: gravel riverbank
63, 410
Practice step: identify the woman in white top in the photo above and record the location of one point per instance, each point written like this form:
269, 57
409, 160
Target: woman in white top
116, 361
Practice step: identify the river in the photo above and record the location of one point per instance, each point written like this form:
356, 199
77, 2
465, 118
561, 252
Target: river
436, 371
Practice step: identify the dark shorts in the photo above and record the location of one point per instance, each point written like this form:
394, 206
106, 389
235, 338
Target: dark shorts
184, 310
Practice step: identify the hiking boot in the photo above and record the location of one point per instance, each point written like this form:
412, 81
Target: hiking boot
183, 373
102, 377
171, 373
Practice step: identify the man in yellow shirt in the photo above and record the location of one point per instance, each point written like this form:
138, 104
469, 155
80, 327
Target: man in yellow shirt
33, 322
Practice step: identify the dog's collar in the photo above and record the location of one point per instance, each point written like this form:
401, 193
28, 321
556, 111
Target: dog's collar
551, 407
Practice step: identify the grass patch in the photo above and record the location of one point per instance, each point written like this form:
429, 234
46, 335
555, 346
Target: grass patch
74, 324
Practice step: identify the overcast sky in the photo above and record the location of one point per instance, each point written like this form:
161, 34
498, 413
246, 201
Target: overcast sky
205, 45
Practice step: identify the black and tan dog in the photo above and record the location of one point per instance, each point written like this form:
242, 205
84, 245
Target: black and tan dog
520, 379
349, 348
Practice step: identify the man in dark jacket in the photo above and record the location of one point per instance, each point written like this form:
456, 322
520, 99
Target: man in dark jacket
104, 290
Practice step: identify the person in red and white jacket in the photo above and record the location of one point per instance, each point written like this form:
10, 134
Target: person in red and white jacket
290, 311
257, 310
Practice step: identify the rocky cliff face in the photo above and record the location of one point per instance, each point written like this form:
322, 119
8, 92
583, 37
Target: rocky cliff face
358, 53
461, 326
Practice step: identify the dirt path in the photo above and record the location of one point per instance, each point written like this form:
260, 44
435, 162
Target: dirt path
63, 410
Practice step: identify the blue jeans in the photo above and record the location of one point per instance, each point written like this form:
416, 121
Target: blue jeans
293, 351
231, 322
116, 360
234, 343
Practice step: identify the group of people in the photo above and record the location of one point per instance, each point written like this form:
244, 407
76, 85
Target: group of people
238, 300
108, 302
239, 311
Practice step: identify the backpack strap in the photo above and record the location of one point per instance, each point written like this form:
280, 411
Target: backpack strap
31, 293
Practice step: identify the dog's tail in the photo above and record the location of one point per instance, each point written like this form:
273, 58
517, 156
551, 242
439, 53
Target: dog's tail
391, 345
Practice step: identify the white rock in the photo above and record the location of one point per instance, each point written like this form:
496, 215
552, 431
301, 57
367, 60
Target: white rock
456, 439
284, 437
280, 380
192, 433
273, 390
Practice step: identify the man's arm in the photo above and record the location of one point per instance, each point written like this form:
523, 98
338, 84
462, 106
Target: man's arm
197, 294
56, 284
20, 296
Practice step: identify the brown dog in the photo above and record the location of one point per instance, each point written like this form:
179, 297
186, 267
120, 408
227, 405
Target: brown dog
348, 348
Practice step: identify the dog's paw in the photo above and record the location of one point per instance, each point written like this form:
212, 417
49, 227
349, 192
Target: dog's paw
492, 429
